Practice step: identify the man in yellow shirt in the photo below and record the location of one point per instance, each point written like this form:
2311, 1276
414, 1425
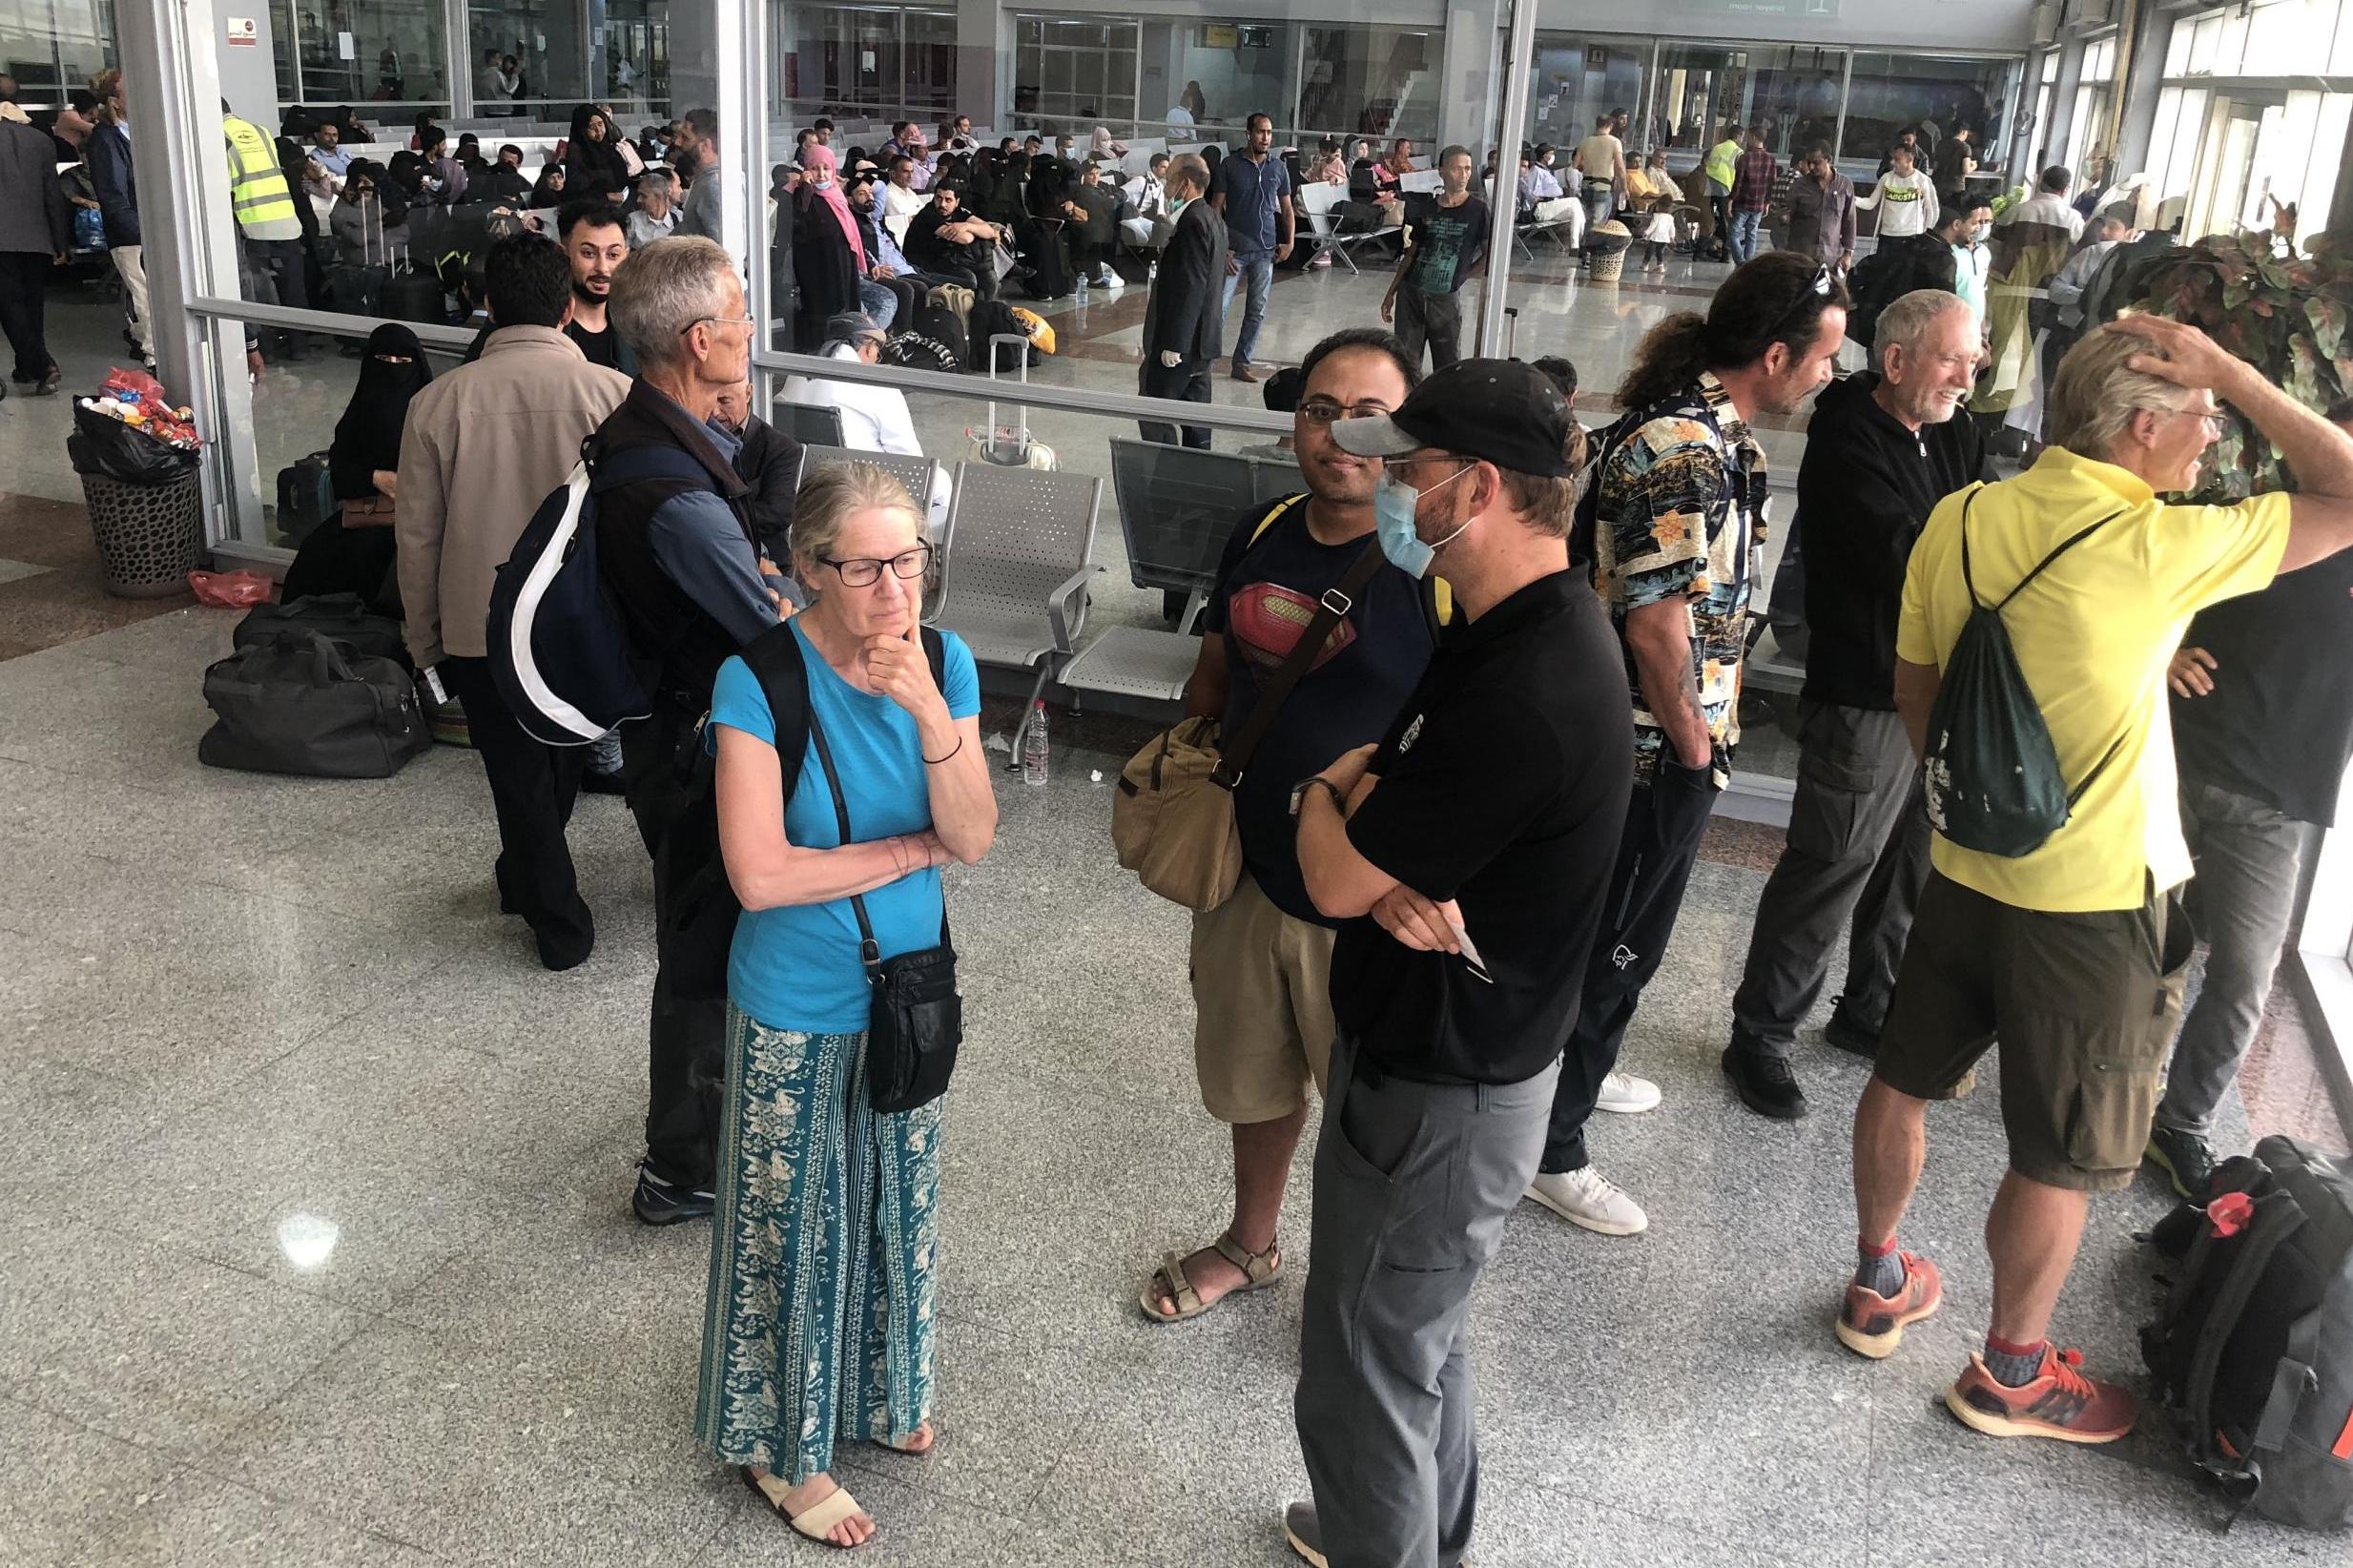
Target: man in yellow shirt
2072, 953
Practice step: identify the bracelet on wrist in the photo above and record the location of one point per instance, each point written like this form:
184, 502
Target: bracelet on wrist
936, 761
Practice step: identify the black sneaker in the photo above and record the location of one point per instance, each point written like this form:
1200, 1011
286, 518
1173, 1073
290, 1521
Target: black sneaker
657, 1202
2185, 1157
1764, 1082
1845, 1033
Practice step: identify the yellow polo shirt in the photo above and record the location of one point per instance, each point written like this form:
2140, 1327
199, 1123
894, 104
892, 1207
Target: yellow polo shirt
2093, 635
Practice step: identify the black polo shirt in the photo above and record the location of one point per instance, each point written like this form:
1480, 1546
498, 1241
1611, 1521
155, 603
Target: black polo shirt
2279, 723
1503, 785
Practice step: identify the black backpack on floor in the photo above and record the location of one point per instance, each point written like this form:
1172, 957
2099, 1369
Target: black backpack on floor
2253, 1349
1993, 779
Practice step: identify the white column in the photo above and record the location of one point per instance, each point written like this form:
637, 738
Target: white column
171, 82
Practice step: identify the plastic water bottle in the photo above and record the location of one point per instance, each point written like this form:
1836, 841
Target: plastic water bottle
1082, 285
1035, 748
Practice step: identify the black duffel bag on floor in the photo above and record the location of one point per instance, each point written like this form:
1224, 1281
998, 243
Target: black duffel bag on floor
342, 617
311, 705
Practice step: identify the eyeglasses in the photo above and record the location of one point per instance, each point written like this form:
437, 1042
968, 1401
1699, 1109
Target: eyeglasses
717, 320
1397, 463
2218, 425
865, 571
1323, 411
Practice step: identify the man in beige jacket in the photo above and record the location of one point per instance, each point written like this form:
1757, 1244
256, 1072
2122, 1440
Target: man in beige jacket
482, 448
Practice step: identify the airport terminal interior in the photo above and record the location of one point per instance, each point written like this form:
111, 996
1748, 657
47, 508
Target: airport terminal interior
323, 1251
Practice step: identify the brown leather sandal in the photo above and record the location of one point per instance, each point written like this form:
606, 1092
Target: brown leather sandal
1259, 1270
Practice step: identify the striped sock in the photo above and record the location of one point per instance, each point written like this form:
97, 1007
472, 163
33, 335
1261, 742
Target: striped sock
1879, 1267
2015, 1366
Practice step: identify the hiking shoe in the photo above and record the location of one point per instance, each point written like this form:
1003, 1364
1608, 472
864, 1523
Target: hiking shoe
1305, 1534
1585, 1197
2186, 1158
1765, 1084
1627, 1095
2060, 1403
1242, 371
1848, 1035
657, 1202
1873, 1325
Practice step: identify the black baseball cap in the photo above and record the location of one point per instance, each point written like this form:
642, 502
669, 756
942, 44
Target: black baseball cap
1500, 411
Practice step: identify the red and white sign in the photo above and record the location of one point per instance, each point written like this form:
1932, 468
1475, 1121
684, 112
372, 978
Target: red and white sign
244, 32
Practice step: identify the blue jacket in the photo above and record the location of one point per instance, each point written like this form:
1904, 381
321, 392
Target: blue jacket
111, 176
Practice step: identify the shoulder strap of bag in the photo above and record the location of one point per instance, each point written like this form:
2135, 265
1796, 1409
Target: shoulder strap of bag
1969, 583
1337, 601
869, 951
636, 465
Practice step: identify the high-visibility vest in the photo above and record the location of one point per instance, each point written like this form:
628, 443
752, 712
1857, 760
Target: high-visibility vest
1723, 163
258, 191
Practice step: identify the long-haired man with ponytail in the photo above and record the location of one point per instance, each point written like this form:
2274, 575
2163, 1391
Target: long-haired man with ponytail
1678, 534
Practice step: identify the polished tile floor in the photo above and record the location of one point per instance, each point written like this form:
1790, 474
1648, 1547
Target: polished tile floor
318, 1253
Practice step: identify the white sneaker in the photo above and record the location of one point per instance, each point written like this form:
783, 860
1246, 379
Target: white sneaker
1110, 279
1627, 1095
1585, 1197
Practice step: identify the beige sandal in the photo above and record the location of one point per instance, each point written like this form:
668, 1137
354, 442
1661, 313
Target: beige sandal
817, 1520
1259, 1270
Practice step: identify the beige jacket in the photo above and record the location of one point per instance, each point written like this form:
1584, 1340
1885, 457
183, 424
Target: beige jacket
482, 448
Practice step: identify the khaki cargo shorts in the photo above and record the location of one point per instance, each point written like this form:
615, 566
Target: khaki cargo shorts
2083, 1005
1261, 1007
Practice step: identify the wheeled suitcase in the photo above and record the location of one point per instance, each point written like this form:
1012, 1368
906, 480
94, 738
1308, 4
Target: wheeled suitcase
415, 297
1008, 445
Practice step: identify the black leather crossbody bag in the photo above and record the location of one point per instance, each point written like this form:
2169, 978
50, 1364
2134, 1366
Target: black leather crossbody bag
919, 1018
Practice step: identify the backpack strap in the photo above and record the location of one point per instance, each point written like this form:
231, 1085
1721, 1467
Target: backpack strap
776, 660
1968, 582
638, 465
2290, 1381
1274, 515
2276, 1217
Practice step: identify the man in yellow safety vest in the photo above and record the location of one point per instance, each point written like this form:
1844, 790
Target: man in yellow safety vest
268, 221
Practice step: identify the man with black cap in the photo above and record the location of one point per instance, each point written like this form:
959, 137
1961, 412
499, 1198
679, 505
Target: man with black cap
1469, 853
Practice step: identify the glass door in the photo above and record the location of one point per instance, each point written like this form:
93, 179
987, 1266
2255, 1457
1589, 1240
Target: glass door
2219, 193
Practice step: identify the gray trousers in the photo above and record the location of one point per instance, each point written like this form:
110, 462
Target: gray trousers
1857, 857
1432, 319
1412, 1183
2248, 858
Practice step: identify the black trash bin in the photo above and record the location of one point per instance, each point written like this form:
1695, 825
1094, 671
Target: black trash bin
146, 503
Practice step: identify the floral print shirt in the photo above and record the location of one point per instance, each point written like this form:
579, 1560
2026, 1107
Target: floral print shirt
1683, 517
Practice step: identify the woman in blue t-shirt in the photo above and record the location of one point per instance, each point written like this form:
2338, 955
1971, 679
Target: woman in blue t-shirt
825, 1234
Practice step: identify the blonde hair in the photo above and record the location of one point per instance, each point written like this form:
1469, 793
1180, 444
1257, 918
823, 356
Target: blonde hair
2096, 393
1545, 503
830, 497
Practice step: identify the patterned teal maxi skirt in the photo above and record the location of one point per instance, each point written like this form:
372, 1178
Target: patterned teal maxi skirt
823, 1247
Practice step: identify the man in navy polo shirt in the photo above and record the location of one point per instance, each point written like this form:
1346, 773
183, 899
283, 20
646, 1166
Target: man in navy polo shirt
1252, 193
1469, 855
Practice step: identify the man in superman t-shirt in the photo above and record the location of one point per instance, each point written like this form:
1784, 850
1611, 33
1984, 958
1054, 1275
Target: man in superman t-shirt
1262, 961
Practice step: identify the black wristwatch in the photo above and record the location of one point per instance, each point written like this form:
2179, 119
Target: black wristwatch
1299, 794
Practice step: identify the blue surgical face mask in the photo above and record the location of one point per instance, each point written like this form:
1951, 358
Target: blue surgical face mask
1394, 504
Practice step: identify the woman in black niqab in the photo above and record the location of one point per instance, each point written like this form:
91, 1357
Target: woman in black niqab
334, 558
367, 438
593, 168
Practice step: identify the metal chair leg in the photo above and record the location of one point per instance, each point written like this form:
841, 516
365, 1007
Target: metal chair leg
1029, 707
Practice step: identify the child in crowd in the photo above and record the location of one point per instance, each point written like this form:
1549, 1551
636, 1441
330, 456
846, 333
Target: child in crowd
1658, 234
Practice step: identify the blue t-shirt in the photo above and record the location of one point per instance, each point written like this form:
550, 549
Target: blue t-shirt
796, 968
1253, 193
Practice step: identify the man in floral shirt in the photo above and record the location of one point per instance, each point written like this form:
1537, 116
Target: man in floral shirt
1678, 536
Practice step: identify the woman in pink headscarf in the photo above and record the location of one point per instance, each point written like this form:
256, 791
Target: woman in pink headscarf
829, 260
1103, 150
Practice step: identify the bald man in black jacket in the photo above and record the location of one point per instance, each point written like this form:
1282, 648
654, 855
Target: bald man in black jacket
1186, 319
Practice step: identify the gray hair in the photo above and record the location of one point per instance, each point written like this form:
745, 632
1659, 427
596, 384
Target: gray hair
665, 288
2097, 392
661, 180
1908, 320
1190, 167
